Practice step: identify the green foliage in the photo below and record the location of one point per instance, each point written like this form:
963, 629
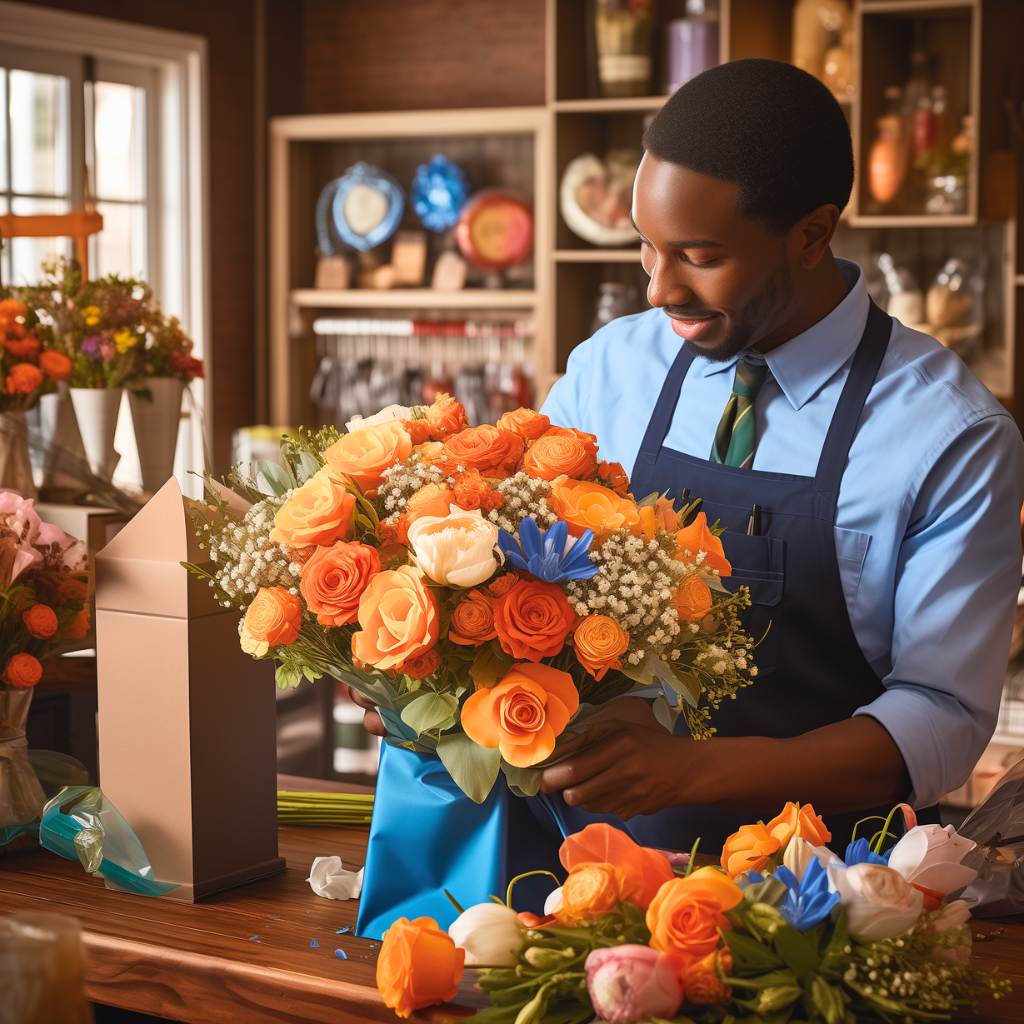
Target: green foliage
431, 712
474, 768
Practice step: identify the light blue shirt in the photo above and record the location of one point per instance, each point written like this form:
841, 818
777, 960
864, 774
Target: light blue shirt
927, 528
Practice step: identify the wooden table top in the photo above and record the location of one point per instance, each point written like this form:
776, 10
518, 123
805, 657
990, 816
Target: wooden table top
245, 955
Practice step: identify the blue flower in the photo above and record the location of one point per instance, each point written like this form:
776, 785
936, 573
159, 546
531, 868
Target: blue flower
859, 852
808, 901
547, 555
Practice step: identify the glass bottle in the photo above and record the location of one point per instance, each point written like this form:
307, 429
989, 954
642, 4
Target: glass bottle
691, 43
888, 156
614, 299
622, 34
905, 299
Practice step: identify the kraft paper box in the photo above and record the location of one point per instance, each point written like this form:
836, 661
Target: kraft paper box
187, 722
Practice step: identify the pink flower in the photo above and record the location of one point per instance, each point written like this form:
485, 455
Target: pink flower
631, 983
19, 533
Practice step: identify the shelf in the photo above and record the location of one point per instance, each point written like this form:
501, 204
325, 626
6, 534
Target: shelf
912, 220
597, 255
624, 105
414, 298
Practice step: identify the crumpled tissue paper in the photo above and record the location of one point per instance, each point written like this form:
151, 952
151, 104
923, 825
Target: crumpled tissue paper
328, 878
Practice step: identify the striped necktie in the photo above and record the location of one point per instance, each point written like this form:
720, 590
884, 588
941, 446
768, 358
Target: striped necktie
736, 436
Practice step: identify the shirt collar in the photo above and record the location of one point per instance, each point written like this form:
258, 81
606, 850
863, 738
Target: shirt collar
804, 364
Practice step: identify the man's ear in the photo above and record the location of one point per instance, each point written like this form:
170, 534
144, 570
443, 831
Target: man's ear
812, 235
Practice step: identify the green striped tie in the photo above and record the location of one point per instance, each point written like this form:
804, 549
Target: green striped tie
736, 436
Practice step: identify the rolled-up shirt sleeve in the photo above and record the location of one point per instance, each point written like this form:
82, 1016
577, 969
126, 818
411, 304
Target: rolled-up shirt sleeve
957, 579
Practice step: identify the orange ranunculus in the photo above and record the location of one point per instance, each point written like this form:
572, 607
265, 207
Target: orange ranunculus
527, 423
11, 310
590, 890
429, 452
446, 416
523, 714
692, 599
799, 820
418, 431
40, 620
472, 620
73, 588
562, 451
533, 619
687, 914
23, 379
588, 506
485, 448
363, 456
612, 475
701, 982
418, 965
79, 626
429, 500
503, 584
273, 619
472, 492
319, 512
600, 643
644, 870
399, 619
697, 537
23, 671
423, 665
749, 849
54, 364
23, 348
333, 580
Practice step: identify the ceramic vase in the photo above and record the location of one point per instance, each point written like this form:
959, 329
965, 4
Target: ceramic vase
62, 442
96, 410
15, 464
156, 416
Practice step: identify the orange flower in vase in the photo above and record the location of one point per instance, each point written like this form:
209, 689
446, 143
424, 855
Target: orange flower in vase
23, 671
23, 379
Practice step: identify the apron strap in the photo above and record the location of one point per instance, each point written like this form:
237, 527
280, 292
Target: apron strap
664, 409
866, 362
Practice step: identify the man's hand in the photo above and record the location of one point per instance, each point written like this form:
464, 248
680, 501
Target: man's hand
371, 720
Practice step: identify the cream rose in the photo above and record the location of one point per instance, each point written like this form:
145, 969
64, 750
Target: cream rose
879, 902
386, 415
490, 933
456, 550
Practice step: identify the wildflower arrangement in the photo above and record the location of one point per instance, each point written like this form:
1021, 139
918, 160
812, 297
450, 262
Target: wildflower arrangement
782, 930
485, 586
29, 366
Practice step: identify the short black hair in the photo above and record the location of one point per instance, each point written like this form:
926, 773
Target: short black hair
768, 126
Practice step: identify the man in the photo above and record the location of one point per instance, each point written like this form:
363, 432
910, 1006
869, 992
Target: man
883, 555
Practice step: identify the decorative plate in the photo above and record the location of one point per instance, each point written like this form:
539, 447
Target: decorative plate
495, 230
439, 191
358, 211
595, 197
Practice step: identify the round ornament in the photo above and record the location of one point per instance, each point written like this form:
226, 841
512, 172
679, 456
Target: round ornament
439, 192
595, 196
495, 230
358, 211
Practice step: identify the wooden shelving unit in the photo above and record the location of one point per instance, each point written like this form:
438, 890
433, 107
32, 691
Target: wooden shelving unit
414, 298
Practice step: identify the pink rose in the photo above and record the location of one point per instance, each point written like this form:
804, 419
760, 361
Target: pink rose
631, 983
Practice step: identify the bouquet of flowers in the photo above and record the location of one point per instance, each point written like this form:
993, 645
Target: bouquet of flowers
783, 930
29, 365
485, 586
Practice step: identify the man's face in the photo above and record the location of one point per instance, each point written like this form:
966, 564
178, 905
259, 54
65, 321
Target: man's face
723, 278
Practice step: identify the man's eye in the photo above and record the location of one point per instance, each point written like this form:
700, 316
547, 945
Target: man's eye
699, 263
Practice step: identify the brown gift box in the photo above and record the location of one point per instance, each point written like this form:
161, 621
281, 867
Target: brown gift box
187, 742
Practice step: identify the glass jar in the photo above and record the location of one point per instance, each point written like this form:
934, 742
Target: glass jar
691, 43
614, 299
622, 34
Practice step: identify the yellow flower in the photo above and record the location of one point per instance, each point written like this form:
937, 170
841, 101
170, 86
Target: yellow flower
91, 314
125, 339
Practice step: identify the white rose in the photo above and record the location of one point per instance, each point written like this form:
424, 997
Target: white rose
456, 550
490, 934
879, 902
930, 856
386, 415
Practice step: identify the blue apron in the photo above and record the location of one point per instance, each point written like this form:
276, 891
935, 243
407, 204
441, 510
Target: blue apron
811, 670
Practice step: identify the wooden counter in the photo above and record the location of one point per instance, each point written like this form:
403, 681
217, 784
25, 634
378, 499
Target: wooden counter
245, 955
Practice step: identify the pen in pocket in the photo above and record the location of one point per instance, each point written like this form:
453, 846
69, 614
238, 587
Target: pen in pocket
754, 523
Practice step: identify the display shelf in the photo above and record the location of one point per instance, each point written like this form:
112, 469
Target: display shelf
911, 220
414, 298
597, 255
624, 105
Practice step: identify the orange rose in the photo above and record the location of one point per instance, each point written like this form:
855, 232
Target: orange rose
333, 581
749, 849
430, 452
701, 981
23, 671
11, 310
562, 451
659, 516
687, 913
503, 584
644, 870
418, 965
418, 431
588, 506
799, 820
612, 475
523, 714
55, 365
472, 620
485, 448
79, 627
429, 500
363, 456
399, 619
527, 423
273, 619
23, 379
40, 620
23, 348
533, 619
599, 641
73, 588
697, 537
472, 491
445, 416
319, 512
692, 599
423, 665
589, 891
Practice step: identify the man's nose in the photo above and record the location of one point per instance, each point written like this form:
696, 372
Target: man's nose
667, 286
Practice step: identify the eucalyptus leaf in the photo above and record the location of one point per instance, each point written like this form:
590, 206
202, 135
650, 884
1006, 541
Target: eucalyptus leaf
277, 477
664, 714
473, 768
431, 711
305, 466
686, 684
522, 781
489, 666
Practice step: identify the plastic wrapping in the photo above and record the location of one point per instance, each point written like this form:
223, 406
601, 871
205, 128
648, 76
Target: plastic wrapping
997, 826
21, 795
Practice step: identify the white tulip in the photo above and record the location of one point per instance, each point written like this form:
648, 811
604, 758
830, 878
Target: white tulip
456, 550
553, 902
799, 854
879, 902
490, 933
386, 415
930, 856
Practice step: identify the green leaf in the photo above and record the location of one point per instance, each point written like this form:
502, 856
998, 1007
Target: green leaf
431, 711
305, 466
522, 781
686, 684
749, 955
489, 665
664, 714
277, 477
800, 951
827, 1000
770, 891
473, 768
